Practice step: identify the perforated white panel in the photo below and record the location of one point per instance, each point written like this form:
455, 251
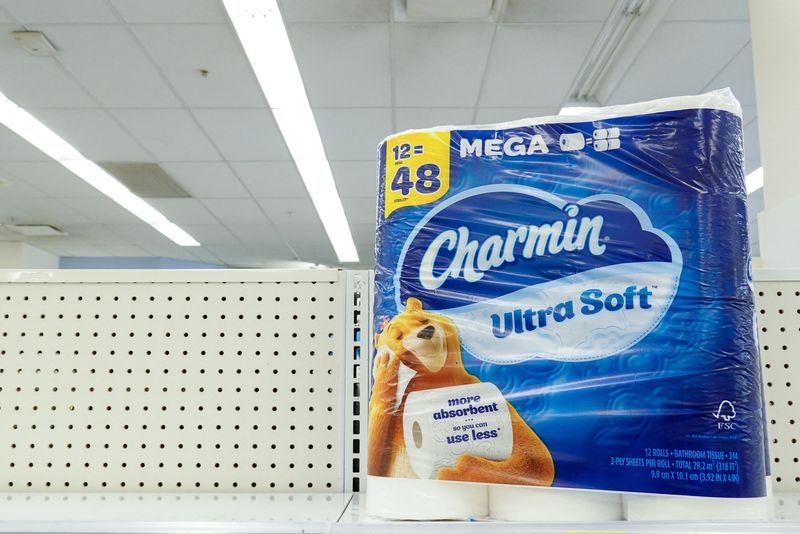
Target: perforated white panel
145, 381
778, 308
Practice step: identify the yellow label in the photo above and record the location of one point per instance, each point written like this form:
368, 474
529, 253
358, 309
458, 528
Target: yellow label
417, 170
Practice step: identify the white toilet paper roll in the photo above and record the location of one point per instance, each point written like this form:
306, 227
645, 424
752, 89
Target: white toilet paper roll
573, 141
515, 503
665, 507
403, 498
440, 425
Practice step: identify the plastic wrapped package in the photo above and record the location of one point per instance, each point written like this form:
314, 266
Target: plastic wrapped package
564, 313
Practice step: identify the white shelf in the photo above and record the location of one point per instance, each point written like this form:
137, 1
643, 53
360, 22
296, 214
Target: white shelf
167, 513
323, 513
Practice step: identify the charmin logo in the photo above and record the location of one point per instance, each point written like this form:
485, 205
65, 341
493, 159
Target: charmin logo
525, 274
471, 258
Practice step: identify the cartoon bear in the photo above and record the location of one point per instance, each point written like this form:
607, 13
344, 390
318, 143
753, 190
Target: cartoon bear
419, 350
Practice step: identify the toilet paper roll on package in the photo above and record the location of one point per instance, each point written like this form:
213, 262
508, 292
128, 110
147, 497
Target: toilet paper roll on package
425, 500
514, 503
441, 425
589, 277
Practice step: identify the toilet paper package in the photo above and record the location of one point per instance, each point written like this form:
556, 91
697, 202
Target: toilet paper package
563, 307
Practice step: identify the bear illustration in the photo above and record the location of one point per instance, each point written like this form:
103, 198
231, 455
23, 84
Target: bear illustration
419, 350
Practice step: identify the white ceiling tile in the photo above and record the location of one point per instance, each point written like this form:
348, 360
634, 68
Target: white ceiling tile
335, 10
206, 179
170, 251
225, 251
58, 11
270, 178
661, 68
139, 234
359, 210
288, 213
51, 178
183, 210
205, 255
363, 234
353, 134
417, 118
52, 248
169, 134
210, 234
355, 178
94, 133
15, 148
244, 256
13, 187
495, 115
102, 210
751, 145
236, 210
708, 10
106, 60
739, 76
561, 11
36, 81
93, 233
261, 235
343, 64
310, 243
441, 64
366, 255
41, 211
535, 64
81, 250
172, 11
244, 134
182, 51
126, 251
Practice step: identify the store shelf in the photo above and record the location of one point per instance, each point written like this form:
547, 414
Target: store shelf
355, 521
168, 513
334, 513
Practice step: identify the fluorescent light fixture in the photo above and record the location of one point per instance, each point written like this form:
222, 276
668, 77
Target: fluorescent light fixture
36, 133
576, 110
754, 181
262, 32
629, 25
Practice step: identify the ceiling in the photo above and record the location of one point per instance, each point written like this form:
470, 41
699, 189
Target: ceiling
125, 85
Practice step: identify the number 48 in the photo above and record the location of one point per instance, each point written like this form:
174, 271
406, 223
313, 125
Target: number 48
427, 180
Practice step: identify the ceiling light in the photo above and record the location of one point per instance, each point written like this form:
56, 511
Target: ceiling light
262, 32
29, 128
754, 181
627, 27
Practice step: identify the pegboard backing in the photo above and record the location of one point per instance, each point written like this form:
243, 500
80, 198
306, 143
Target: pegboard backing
152, 381
778, 318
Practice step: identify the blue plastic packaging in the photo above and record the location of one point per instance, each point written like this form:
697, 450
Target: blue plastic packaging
595, 270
